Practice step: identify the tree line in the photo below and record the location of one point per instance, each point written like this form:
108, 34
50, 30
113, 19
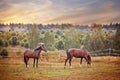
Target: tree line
98, 39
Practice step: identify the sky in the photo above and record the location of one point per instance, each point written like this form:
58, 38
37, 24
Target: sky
60, 11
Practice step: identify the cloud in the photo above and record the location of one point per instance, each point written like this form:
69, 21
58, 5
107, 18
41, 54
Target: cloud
4, 6
21, 13
98, 13
59, 11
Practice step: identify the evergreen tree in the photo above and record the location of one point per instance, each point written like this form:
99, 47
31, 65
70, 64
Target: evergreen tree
72, 39
5, 44
49, 40
96, 40
33, 37
14, 41
26, 45
117, 39
60, 45
1, 42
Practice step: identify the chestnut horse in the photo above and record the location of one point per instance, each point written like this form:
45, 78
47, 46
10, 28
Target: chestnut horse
33, 54
78, 53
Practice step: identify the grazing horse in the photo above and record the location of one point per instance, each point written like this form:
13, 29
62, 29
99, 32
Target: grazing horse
78, 53
33, 54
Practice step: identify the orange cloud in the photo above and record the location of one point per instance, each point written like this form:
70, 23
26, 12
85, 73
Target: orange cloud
50, 12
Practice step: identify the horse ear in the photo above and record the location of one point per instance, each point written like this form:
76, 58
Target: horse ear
82, 46
40, 44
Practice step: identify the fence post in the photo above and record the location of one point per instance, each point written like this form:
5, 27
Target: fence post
109, 51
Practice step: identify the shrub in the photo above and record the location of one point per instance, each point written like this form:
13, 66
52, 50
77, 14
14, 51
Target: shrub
1, 42
4, 53
26, 45
5, 44
22, 44
60, 45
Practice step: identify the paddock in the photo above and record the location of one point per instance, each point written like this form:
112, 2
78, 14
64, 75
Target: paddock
102, 68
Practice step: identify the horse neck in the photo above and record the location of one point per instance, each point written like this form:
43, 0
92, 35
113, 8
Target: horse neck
38, 53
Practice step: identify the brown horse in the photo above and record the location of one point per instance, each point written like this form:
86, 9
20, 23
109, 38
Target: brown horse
78, 53
33, 54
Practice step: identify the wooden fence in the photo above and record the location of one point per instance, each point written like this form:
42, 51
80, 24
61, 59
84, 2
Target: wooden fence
105, 52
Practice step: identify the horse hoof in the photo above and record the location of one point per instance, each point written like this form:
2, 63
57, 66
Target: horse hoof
64, 67
70, 66
80, 66
35, 67
88, 65
27, 66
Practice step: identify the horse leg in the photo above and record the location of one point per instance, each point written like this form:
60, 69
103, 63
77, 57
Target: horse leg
65, 62
89, 60
81, 62
26, 62
37, 64
88, 64
70, 62
34, 63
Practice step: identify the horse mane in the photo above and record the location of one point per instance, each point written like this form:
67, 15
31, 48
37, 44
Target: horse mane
37, 49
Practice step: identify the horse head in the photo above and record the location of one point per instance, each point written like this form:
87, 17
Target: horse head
89, 60
42, 46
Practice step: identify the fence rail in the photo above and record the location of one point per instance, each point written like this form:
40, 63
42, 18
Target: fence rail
105, 52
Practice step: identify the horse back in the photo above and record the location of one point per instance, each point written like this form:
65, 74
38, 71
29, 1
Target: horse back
28, 53
78, 52
31, 54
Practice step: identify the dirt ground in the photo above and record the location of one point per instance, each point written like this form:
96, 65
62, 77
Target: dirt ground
103, 68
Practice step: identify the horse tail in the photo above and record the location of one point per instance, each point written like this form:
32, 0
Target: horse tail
89, 58
25, 57
68, 53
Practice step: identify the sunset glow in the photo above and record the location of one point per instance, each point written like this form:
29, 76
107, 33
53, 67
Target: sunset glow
59, 11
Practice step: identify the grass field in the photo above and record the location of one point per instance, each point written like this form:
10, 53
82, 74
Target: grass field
103, 68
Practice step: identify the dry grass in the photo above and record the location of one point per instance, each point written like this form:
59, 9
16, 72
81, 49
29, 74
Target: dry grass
103, 68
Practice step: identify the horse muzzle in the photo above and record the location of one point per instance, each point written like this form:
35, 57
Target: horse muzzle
45, 50
89, 65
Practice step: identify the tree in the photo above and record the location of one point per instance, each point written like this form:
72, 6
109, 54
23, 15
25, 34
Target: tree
60, 45
1, 42
117, 39
109, 38
59, 33
26, 45
49, 40
5, 44
72, 39
33, 37
96, 40
14, 41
